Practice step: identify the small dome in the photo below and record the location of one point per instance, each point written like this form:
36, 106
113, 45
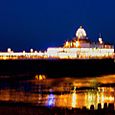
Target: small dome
81, 33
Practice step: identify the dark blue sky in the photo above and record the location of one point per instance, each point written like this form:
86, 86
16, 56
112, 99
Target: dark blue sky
38, 24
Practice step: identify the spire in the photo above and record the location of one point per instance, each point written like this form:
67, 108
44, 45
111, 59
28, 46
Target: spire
100, 36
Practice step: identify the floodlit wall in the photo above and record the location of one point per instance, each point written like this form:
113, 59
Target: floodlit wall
79, 52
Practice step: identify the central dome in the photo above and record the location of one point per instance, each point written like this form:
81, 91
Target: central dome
81, 33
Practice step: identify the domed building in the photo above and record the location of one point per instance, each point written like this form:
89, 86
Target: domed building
82, 47
80, 41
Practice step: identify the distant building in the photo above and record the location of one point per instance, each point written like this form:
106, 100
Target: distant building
82, 47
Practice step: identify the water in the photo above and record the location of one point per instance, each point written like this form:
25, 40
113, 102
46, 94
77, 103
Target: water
60, 92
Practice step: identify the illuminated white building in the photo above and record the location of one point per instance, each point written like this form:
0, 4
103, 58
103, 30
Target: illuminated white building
78, 48
81, 47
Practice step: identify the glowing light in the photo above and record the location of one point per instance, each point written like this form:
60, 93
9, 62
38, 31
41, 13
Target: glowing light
67, 44
24, 52
9, 50
31, 50
40, 77
74, 99
111, 99
100, 40
36, 77
77, 44
43, 76
80, 52
80, 33
36, 52
51, 100
4, 58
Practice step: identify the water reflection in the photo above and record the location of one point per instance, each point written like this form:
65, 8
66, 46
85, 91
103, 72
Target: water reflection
50, 100
74, 99
62, 92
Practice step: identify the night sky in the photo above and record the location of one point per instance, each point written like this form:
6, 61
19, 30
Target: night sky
39, 24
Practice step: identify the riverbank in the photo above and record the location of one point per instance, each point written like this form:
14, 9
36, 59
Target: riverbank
12, 108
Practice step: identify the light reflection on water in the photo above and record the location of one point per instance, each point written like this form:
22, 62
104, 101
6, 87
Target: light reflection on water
61, 92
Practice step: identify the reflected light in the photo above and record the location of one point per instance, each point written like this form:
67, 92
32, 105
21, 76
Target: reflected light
40, 77
111, 98
74, 99
51, 100
36, 77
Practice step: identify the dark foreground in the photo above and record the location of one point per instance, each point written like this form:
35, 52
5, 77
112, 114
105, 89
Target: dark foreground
8, 108
57, 68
